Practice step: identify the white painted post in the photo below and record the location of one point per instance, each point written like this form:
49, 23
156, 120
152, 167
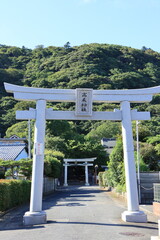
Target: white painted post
86, 174
133, 214
138, 162
65, 174
36, 215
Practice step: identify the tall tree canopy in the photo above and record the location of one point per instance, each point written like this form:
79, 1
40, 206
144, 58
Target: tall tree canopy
97, 66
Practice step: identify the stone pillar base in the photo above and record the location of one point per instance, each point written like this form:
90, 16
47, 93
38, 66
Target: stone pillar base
87, 184
157, 237
65, 185
33, 218
137, 216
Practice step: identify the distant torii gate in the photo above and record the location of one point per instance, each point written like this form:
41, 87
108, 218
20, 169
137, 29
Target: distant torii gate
85, 162
83, 111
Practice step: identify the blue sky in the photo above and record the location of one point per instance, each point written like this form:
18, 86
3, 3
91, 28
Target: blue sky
133, 23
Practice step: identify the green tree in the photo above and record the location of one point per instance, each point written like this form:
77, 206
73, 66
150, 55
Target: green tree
150, 156
116, 172
52, 167
20, 129
127, 80
67, 45
107, 129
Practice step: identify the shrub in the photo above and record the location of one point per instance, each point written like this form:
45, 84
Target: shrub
13, 193
116, 172
52, 167
56, 154
25, 167
102, 176
2, 174
121, 188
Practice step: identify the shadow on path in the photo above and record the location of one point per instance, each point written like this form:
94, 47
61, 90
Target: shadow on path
64, 197
104, 224
41, 226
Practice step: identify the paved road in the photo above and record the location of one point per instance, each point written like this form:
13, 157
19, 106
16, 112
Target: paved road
78, 213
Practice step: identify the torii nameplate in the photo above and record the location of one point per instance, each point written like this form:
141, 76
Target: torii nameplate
83, 102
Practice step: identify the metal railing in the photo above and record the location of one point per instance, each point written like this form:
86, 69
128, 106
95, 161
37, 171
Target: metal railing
156, 192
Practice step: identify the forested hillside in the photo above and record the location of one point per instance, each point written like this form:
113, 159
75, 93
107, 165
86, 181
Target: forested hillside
97, 66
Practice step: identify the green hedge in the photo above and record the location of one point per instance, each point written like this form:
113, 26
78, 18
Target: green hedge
52, 167
102, 176
13, 193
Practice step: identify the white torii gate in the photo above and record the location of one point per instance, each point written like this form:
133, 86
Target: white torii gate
83, 99
85, 162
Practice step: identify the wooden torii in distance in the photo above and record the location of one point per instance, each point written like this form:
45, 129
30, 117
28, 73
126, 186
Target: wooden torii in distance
83, 111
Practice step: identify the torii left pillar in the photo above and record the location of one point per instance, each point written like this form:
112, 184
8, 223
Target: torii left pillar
86, 174
65, 174
35, 214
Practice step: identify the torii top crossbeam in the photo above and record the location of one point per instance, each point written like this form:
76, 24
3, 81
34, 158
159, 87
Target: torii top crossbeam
69, 95
83, 109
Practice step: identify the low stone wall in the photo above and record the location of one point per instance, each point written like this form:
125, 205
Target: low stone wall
49, 185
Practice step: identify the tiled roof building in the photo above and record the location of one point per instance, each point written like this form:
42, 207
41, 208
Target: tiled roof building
13, 148
108, 144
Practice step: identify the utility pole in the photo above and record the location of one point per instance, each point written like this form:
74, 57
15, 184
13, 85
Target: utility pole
29, 138
138, 161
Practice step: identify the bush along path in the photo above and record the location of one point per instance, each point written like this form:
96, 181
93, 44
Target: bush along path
13, 193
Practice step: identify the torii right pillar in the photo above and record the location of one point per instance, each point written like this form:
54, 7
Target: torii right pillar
133, 214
